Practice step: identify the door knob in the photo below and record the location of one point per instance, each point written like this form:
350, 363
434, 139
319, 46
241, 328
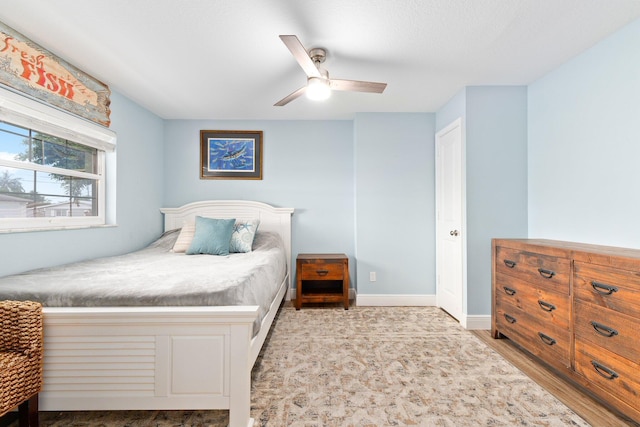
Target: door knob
454, 232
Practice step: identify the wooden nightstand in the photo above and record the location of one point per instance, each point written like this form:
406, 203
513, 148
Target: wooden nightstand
322, 278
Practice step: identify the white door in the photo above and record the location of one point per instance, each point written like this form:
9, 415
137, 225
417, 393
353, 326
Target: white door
449, 232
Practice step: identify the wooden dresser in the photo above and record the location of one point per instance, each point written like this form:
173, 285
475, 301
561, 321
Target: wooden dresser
576, 307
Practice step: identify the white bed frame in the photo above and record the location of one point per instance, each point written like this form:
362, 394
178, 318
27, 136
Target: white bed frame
162, 358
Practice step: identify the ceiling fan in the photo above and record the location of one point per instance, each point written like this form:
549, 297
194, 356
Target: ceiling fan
319, 85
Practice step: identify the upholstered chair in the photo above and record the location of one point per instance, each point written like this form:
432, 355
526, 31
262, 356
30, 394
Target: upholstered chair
21, 349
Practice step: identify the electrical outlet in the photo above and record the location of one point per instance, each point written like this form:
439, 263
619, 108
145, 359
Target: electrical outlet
372, 276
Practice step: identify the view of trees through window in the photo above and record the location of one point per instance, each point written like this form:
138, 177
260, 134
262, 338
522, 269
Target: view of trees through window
43, 175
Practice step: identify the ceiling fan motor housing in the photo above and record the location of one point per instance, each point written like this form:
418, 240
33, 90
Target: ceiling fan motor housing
318, 55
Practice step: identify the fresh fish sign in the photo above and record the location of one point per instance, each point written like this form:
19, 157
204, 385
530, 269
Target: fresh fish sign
30, 69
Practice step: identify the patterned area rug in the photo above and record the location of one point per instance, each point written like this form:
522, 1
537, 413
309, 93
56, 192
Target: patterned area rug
369, 366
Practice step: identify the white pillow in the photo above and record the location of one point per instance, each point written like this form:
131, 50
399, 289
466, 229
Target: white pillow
185, 237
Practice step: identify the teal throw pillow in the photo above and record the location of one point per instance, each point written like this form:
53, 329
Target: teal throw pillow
243, 233
212, 236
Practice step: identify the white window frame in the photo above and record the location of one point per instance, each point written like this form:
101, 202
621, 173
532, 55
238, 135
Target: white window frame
29, 113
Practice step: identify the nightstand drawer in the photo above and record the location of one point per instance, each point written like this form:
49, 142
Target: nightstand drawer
323, 271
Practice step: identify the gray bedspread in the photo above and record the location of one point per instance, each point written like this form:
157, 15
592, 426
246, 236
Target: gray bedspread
155, 276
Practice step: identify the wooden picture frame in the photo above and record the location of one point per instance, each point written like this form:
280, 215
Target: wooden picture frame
230, 154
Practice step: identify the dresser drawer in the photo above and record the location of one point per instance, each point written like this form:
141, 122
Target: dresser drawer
322, 271
542, 339
550, 272
615, 331
547, 306
608, 287
614, 374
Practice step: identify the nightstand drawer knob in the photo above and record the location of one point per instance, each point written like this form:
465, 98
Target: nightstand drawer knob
322, 272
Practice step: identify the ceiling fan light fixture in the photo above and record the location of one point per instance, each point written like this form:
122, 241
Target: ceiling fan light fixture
318, 88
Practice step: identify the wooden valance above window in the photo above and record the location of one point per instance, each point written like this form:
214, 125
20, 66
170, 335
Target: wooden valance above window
32, 70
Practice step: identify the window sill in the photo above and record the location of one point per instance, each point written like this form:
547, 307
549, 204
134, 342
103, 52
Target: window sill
57, 228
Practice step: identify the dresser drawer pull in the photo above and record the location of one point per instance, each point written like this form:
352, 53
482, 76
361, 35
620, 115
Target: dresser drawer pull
603, 330
603, 289
509, 263
547, 274
546, 339
510, 319
508, 290
608, 373
546, 306
322, 272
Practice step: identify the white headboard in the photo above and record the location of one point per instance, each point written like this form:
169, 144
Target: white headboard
273, 219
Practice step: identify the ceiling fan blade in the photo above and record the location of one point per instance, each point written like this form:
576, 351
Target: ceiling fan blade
301, 55
357, 86
287, 99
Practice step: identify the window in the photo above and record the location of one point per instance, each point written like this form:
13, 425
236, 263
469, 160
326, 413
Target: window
52, 167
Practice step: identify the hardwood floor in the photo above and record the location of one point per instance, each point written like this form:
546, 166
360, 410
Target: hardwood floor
582, 404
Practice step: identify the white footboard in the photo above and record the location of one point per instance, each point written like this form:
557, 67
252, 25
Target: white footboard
162, 357
149, 358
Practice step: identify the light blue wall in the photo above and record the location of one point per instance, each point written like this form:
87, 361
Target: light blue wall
584, 146
139, 161
455, 108
494, 121
307, 165
496, 181
395, 210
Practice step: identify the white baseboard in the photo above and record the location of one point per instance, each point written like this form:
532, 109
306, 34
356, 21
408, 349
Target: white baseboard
373, 300
469, 322
477, 321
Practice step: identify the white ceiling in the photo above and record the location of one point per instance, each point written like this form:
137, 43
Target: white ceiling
223, 59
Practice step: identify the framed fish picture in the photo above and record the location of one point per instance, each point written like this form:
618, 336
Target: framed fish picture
230, 154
